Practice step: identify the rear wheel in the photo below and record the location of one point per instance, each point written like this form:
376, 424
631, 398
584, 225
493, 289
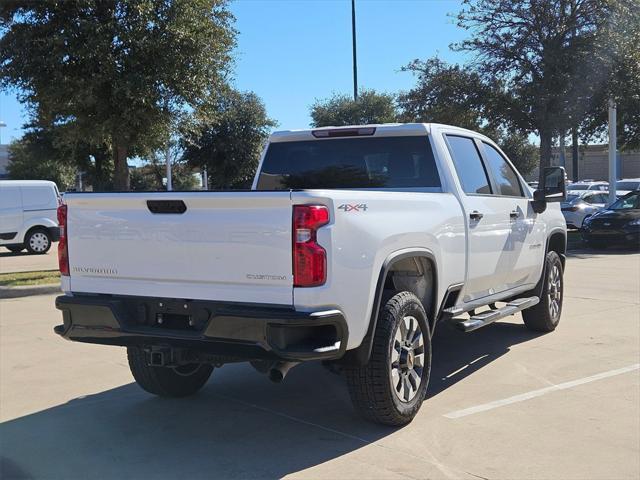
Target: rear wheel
38, 241
391, 387
15, 248
545, 316
179, 381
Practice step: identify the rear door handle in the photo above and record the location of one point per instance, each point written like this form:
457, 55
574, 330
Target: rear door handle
476, 215
514, 214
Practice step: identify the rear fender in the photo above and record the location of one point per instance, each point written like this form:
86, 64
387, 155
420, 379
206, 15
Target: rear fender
360, 355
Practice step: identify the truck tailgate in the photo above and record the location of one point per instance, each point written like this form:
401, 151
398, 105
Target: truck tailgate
231, 246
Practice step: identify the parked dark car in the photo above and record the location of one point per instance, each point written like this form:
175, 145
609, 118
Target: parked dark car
617, 224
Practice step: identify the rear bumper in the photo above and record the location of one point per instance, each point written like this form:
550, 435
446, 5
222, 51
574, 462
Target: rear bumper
238, 331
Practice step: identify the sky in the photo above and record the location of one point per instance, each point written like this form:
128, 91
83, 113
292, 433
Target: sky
292, 52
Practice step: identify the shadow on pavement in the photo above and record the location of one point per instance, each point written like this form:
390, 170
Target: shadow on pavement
239, 426
7, 253
585, 252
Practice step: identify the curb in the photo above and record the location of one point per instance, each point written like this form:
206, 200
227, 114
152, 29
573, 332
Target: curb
29, 290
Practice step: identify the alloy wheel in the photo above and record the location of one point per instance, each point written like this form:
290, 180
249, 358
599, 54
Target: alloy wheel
407, 359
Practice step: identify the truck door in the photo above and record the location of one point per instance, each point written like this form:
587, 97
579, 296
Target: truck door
526, 244
487, 220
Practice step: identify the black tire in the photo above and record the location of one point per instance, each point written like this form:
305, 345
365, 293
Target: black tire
166, 381
15, 248
372, 387
38, 241
545, 316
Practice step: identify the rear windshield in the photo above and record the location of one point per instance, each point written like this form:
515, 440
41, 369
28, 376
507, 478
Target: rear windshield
385, 162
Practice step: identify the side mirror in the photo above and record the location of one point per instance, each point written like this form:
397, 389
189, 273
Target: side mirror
553, 188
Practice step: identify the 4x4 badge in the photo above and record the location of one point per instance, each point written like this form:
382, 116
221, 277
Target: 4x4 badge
348, 207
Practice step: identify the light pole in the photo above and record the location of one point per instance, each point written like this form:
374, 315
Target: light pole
2, 125
613, 174
355, 62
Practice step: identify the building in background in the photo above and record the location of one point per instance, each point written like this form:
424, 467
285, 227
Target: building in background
4, 161
593, 163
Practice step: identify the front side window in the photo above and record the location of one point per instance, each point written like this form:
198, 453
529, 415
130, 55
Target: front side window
468, 163
382, 162
505, 176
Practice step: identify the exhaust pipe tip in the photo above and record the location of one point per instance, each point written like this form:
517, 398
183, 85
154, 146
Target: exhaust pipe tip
275, 375
279, 370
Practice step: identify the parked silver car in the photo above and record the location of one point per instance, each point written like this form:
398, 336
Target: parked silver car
627, 185
582, 204
587, 186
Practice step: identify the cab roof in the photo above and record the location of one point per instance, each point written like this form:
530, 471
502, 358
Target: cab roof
372, 130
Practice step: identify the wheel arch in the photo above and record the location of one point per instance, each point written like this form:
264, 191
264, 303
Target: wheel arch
557, 242
396, 272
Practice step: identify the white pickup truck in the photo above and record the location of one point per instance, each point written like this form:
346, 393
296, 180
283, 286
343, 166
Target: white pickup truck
352, 245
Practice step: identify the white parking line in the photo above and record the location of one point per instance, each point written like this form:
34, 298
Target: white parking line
538, 393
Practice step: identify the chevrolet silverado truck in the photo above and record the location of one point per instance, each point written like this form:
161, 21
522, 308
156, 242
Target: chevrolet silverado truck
353, 244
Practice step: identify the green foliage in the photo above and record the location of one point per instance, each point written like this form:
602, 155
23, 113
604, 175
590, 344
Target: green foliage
35, 157
119, 73
543, 52
151, 175
341, 110
450, 94
619, 58
458, 95
229, 146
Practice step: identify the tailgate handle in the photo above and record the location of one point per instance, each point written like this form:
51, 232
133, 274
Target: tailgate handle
166, 206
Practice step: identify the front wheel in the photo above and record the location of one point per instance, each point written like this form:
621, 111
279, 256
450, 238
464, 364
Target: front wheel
545, 316
179, 381
391, 387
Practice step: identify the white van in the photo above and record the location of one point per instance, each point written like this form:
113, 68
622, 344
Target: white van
28, 217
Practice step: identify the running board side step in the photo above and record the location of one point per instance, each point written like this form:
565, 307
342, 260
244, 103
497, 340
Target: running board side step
485, 318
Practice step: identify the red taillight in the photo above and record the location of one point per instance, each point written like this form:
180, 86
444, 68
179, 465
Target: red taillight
63, 249
309, 258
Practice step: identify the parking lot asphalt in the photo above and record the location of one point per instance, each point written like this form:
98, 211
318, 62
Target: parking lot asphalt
503, 403
25, 262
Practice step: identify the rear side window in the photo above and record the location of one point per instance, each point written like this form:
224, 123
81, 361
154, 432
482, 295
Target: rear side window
469, 165
383, 162
505, 176
38, 198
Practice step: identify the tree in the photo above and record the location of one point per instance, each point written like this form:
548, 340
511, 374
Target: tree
121, 73
35, 157
340, 110
450, 94
153, 171
543, 52
619, 57
229, 147
458, 95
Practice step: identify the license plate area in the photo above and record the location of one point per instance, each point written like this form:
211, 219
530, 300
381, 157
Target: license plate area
180, 315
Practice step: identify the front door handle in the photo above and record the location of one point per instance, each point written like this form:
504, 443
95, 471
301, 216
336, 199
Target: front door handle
514, 214
476, 215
